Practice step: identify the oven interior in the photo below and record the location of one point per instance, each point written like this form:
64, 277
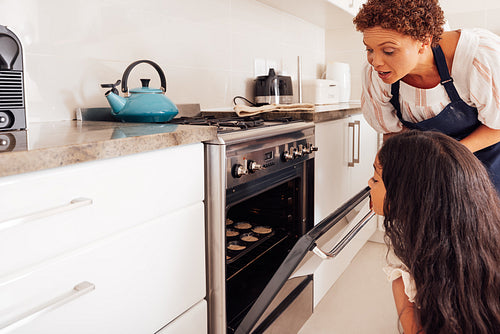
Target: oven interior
260, 231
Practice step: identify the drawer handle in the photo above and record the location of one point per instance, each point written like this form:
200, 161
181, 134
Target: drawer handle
74, 204
78, 291
345, 240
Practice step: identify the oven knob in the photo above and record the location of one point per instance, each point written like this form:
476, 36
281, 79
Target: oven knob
253, 166
286, 156
298, 152
310, 149
238, 171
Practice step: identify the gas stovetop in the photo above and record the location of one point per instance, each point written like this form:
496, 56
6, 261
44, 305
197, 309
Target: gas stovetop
232, 124
230, 127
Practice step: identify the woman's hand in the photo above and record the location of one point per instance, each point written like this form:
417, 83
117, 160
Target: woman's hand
405, 308
480, 138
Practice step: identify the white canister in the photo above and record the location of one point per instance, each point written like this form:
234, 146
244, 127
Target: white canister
341, 73
320, 91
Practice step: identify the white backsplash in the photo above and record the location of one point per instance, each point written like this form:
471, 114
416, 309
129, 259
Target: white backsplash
207, 49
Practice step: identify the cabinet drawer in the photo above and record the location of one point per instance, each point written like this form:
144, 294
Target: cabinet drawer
194, 321
37, 220
144, 278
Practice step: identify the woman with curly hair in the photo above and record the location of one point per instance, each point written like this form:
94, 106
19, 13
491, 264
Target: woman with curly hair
421, 77
442, 220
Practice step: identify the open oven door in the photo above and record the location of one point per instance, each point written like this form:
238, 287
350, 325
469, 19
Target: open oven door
292, 282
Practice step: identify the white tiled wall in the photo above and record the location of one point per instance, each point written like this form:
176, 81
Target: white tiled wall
344, 44
480, 18
206, 48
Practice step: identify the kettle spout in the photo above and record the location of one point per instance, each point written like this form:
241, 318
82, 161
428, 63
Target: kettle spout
116, 102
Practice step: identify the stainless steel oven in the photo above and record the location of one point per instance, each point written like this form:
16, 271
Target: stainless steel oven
259, 203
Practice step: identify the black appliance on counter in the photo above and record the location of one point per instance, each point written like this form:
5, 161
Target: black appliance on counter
12, 108
13, 141
273, 89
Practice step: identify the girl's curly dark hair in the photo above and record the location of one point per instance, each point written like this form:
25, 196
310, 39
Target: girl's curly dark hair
415, 18
442, 218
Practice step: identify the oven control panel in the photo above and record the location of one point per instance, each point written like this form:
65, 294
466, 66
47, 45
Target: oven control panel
254, 162
297, 152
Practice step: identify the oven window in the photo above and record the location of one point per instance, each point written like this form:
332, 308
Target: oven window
260, 231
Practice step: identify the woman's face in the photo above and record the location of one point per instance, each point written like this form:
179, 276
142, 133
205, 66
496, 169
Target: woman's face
377, 189
392, 54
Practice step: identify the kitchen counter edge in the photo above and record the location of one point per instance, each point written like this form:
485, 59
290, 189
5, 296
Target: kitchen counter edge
56, 144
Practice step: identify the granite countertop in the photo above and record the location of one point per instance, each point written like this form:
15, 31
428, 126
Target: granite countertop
55, 144
322, 113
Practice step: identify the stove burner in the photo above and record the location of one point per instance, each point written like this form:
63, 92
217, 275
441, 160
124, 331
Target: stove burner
208, 120
242, 124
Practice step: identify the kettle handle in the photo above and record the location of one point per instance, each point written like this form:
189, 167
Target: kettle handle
163, 80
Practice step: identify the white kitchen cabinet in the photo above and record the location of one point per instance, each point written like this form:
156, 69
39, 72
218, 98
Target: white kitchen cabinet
118, 193
343, 165
135, 244
331, 175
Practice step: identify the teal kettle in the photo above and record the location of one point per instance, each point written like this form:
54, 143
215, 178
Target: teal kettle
142, 104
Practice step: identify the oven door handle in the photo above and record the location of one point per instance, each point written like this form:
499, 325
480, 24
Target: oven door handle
345, 240
293, 260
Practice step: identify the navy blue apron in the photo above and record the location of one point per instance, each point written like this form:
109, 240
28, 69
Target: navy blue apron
456, 120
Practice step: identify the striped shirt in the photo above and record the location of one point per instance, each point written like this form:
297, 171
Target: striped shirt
476, 75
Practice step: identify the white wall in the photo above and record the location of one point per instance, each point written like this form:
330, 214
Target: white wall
470, 14
206, 48
344, 43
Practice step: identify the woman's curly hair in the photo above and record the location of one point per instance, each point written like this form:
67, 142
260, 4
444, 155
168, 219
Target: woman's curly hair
415, 18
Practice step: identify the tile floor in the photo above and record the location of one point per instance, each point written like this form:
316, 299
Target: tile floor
360, 302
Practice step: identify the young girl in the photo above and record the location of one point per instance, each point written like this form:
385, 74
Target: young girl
442, 220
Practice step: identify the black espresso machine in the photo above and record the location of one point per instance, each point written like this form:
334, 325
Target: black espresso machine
12, 107
273, 89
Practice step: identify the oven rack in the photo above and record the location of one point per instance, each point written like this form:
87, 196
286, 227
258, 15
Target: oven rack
253, 253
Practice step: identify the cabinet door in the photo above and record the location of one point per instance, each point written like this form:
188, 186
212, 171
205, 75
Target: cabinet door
42, 215
343, 163
140, 280
331, 178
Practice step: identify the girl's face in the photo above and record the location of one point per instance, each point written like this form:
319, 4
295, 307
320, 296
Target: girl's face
392, 54
377, 189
